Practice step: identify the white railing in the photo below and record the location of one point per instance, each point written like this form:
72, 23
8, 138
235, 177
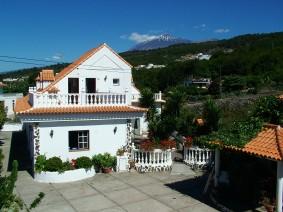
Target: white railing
198, 157
90, 99
156, 160
157, 97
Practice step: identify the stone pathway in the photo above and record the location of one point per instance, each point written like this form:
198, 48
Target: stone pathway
157, 191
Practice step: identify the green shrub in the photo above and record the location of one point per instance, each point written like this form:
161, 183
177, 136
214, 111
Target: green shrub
96, 161
104, 160
40, 163
84, 162
67, 166
54, 164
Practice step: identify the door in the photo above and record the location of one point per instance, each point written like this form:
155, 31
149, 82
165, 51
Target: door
73, 90
73, 85
90, 85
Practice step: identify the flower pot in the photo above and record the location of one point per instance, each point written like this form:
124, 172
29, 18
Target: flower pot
106, 170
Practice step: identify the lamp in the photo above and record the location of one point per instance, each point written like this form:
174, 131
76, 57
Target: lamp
115, 130
105, 78
51, 133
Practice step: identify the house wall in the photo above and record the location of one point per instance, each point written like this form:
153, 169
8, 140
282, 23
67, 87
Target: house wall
104, 66
9, 99
101, 137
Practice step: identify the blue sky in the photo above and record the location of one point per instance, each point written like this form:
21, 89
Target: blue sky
61, 30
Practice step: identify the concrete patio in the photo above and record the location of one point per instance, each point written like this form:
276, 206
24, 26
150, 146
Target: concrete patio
116, 192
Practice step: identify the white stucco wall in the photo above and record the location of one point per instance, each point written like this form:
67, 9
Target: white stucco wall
104, 66
101, 137
8, 99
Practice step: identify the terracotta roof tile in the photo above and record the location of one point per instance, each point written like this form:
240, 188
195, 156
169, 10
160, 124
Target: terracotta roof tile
46, 75
85, 109
22, 104
268, 143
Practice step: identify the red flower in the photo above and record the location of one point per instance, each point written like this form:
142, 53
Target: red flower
147, 145
74, 163
188, 141
167, 144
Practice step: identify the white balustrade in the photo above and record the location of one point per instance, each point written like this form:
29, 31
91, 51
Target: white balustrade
157, 97
156, 160
71, 99
198, 157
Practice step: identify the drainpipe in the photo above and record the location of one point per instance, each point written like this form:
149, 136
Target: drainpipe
216, 166
279, 186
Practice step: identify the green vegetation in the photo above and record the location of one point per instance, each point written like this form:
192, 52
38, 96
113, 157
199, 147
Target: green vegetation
244, 63
2, 115
84, 162
104, 160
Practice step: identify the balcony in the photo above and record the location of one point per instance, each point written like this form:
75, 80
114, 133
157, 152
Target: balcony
89, 99
157, 97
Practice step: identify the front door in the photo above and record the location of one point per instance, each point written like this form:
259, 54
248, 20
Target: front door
90, 85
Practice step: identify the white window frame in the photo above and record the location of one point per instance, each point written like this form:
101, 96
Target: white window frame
82, 140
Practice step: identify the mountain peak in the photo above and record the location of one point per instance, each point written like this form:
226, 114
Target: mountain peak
162, 41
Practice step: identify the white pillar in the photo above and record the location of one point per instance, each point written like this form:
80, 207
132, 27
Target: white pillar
279, 186
216, 166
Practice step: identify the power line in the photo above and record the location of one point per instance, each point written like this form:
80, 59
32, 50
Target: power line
25, 58
10, 61
102, 68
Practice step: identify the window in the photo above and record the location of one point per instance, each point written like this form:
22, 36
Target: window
90, 84
79, 140
116, 81
73, 85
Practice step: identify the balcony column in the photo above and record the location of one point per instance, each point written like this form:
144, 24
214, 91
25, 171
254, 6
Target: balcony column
128, 96
82, 94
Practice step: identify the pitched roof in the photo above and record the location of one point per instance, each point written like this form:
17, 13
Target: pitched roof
267, 144
78, 62
46, 75
22, 104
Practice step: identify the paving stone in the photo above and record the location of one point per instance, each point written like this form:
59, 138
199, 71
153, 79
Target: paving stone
138, 180
77, 191
50, 197
115, 209
92, 203
126, 196
177, 200
55, 207
181, 168
198, 208
147, 206
156, 189
109, 185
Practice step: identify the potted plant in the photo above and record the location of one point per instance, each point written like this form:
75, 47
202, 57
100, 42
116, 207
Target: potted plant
104, 161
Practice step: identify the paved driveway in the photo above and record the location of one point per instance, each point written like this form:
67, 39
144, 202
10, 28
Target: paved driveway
117, 192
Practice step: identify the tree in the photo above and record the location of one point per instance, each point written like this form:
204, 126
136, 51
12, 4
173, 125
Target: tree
2, 115
211, 115
269, 109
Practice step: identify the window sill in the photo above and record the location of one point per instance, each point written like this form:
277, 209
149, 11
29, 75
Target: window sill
78, 150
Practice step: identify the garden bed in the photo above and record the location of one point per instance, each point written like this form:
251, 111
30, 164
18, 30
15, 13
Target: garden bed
67, 176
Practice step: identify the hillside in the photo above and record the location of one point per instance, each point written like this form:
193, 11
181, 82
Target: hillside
171, 53
247, 61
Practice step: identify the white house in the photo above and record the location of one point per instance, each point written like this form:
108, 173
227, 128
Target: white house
87, 108
9, 100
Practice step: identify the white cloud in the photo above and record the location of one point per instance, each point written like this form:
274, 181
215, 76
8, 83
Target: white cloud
201, 27
222, 30
57, 56
138, 38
